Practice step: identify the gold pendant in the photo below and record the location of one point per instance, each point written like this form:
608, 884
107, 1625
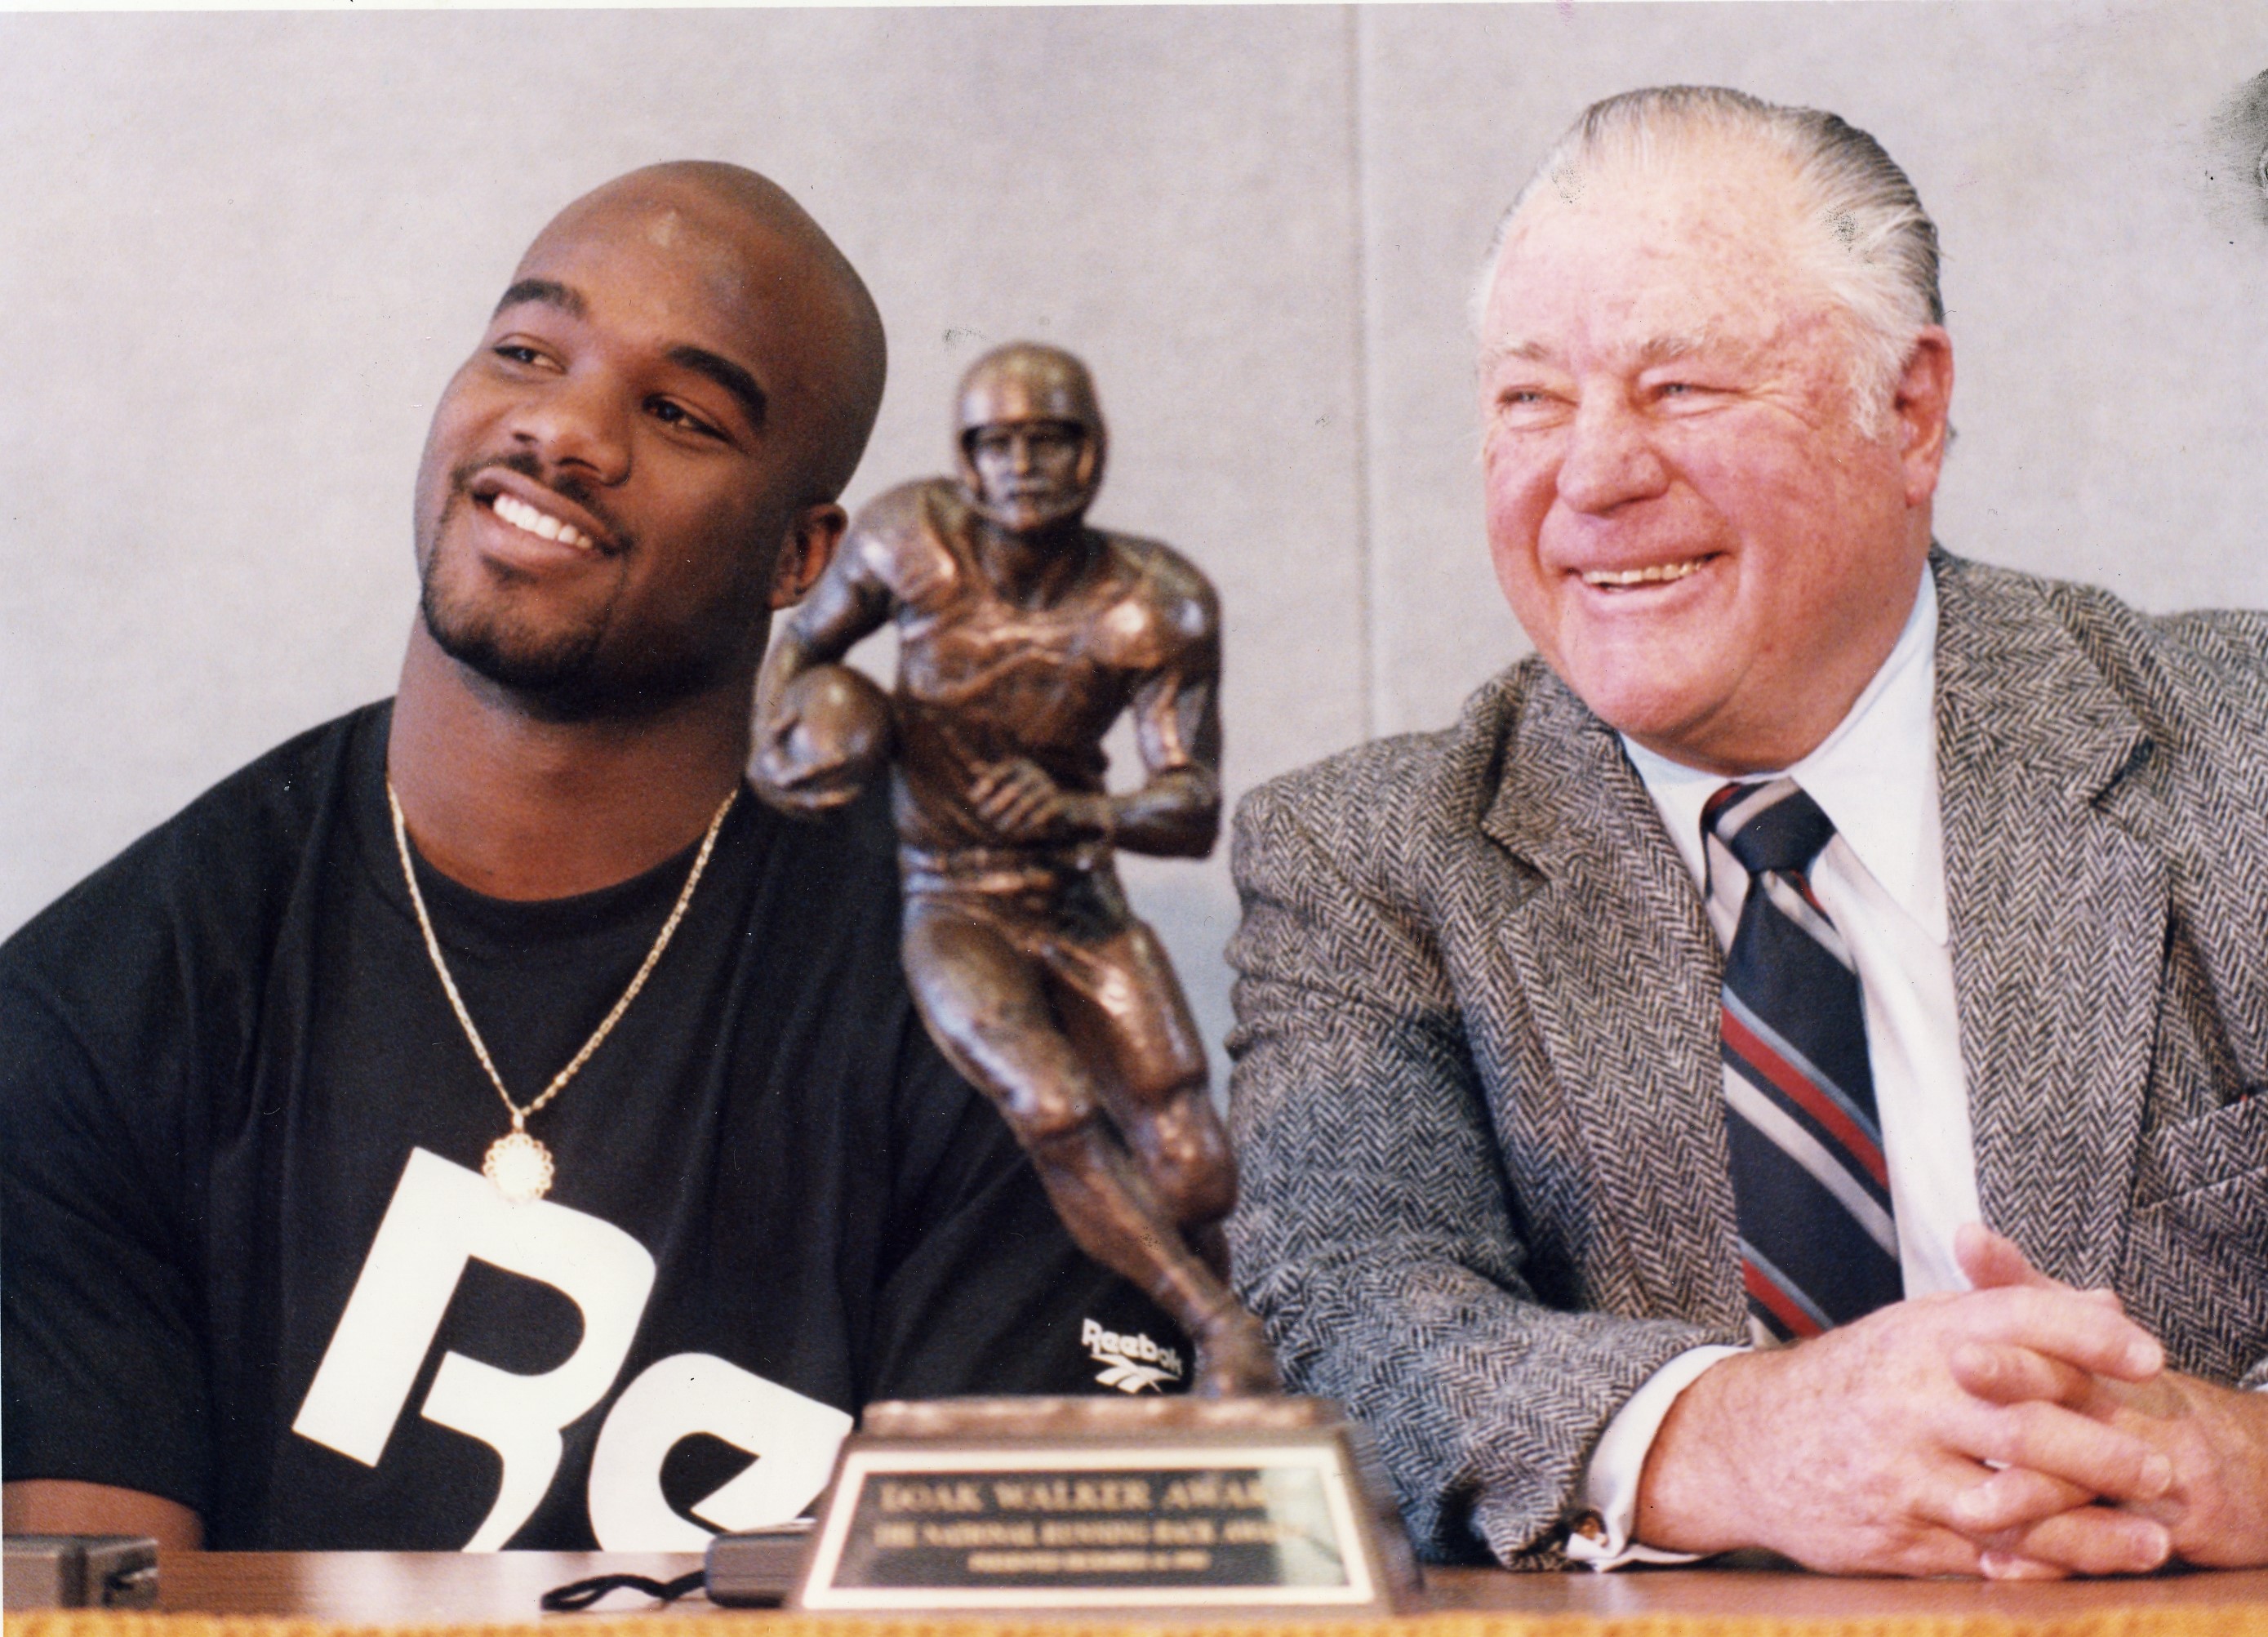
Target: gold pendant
520, 1165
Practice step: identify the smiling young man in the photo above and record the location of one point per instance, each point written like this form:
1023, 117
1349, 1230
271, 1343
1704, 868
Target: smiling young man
479, 1122
1784, 1070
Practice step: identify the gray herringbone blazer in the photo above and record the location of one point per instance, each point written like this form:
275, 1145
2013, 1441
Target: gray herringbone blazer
1476, 1096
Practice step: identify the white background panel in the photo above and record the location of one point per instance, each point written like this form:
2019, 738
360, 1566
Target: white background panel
241, 253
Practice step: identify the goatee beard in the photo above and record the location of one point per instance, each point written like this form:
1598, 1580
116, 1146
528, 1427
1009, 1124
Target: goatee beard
551, 674
562, 675
517, 662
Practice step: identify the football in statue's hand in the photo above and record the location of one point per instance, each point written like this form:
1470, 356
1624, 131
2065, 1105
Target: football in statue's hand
830, 732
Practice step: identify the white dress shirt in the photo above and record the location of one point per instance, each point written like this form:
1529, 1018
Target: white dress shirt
1881, 881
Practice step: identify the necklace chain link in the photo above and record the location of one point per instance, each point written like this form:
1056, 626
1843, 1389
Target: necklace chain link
519, 1115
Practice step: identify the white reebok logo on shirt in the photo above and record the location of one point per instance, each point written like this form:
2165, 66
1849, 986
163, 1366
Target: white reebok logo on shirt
1131, 1363
443, 1215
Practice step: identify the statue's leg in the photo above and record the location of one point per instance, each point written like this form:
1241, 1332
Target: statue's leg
1122, 1007
984, 1000
1121, 1004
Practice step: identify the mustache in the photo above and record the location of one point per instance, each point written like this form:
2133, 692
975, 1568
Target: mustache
566, 485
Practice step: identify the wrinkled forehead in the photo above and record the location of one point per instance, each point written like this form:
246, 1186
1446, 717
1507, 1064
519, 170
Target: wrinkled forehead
1706, 239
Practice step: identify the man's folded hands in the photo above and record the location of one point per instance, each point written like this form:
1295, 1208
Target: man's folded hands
2020, 1429
2213, 1441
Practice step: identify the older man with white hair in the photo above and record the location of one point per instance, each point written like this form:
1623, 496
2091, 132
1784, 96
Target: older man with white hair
1789, 1068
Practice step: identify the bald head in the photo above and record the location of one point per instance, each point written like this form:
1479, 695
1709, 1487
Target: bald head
641, 459
763, 256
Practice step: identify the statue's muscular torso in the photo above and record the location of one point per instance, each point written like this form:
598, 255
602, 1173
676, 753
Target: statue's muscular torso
981, 680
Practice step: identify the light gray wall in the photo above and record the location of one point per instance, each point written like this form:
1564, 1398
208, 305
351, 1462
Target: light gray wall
240, 254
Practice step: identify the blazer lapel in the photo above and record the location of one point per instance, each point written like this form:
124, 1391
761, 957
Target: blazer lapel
2059, 917
1614, 957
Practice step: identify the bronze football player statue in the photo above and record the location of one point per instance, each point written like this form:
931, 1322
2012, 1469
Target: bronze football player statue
1023, 634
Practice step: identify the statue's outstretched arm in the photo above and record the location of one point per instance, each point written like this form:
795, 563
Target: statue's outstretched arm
1176, 713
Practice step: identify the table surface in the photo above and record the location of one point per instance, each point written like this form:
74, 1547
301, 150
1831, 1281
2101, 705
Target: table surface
406, 1587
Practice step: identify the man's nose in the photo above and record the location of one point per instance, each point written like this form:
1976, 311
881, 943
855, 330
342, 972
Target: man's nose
1609, 458
577, 424
1022, 456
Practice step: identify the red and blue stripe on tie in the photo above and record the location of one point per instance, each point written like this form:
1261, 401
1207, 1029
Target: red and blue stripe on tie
1819, 1244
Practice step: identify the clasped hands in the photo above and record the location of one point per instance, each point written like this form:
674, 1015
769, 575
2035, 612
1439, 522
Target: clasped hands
2021, 1429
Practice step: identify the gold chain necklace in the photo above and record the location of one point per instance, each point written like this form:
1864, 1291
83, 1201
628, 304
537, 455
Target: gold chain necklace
518, 1165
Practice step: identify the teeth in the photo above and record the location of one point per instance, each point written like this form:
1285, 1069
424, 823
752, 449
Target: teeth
1658, 572
520, 515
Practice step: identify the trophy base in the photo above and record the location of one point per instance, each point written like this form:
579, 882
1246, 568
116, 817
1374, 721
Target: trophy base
1257, 1503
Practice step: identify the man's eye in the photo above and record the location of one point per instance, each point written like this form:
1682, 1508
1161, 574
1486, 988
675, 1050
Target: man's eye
518, 353
671, 413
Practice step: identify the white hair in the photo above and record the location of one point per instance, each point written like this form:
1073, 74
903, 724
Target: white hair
1876, 252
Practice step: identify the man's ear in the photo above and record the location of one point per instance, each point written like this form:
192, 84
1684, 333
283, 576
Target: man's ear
806, 551
1923, 404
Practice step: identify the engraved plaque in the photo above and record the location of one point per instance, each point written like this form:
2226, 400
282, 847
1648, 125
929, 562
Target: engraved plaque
1070, 1503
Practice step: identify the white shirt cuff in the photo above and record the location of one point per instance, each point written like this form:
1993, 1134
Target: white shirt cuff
1610, 1482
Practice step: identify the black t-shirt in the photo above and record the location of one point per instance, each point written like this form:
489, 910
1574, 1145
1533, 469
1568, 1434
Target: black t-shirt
248, 1261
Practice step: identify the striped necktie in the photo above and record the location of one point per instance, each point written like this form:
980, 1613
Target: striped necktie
1818, 1244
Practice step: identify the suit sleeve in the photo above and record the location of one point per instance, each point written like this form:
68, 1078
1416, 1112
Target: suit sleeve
1376, 1233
